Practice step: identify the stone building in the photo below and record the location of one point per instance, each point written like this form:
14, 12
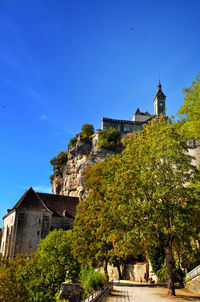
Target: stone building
139, 118
31, 219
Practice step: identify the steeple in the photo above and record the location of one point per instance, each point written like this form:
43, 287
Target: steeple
159, 101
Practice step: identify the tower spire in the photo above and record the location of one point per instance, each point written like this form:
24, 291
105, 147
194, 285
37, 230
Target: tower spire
159, 101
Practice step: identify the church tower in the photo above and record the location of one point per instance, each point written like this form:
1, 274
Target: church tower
159, 101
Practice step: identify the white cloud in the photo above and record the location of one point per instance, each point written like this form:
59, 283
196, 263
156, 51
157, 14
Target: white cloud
42, 189
43, 117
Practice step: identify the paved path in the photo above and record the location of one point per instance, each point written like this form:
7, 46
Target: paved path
127, 291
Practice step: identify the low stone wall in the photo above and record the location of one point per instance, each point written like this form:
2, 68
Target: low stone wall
193, 284
136, 272
70, 291
133, 272
192, 280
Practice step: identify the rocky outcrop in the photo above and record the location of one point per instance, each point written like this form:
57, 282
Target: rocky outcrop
67, 179
194, 150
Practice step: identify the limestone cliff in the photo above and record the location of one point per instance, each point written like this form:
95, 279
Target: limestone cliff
194, 150
67, 178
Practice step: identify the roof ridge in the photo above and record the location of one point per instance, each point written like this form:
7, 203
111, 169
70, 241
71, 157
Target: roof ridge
23, 199
41, 200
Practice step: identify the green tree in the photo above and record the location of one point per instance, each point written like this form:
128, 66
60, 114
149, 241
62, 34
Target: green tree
87, 130
97, 237
11, 289
49, 266
190, 111
150, 188
90, 232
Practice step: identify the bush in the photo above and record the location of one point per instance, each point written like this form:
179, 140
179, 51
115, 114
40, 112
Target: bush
53, 161
49, 266
162, 273
85, 135
87, 130
91, 280
62, 158
110, 139
11, 289
73, 141
52, 177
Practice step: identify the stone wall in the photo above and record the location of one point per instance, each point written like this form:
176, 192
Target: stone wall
31, 227
64, 223
125, 125
8, 235
194, 284
133, 272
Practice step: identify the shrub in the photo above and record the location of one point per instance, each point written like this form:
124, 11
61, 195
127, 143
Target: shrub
162, 273
110, 139
11, 289
85, 135
73, 141
48, 266
62, 158
53, 161
52, 177
91, 280
87, 130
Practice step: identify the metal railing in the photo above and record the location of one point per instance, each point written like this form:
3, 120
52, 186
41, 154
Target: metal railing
101, 294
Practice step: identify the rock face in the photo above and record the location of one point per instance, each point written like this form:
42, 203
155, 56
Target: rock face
68, 180
194, 150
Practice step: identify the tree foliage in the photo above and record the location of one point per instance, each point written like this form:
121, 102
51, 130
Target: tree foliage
91, 280
140, 198
49, 266
110, 139
11, 289
97, 236
190, 111
159, 167
85, 135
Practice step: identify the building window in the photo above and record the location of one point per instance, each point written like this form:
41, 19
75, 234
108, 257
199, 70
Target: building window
38, 232
39, 221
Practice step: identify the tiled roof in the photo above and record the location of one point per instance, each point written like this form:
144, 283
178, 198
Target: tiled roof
31, 201
159, 92
138, 112
59, 205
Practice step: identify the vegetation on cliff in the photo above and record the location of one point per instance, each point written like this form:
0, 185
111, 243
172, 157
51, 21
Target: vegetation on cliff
110, 139
85, 135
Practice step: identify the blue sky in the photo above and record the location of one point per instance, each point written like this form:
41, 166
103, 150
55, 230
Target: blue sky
65, 63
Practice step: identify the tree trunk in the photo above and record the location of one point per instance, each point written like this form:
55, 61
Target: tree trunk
169, 260
180, 272
106, 268
119, 271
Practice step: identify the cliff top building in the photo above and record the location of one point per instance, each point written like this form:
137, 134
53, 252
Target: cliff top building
139, 118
